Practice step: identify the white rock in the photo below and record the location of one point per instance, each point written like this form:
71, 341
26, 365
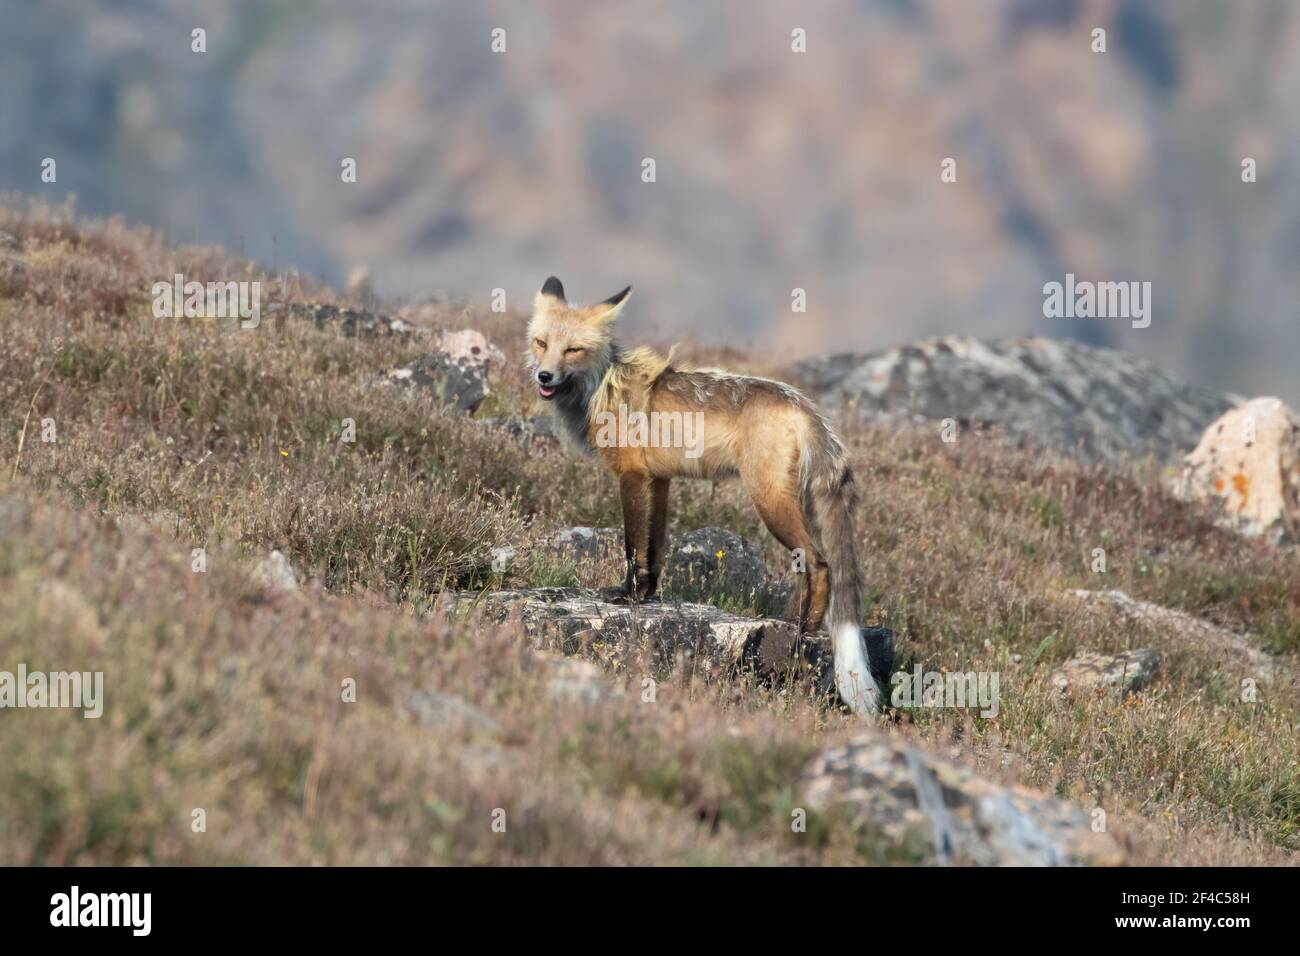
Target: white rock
1248, 461
275, 573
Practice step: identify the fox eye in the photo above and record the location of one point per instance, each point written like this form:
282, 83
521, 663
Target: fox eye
570, 351
540, 344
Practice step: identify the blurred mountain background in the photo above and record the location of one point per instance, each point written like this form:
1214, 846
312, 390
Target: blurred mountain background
775, 169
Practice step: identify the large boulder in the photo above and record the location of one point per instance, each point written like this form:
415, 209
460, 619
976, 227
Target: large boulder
918, 804
1247, 465
1057, 393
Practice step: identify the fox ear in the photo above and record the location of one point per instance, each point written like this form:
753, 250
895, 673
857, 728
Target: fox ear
610, 309
552, 291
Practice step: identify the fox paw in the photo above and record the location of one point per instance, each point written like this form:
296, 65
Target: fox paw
622, 594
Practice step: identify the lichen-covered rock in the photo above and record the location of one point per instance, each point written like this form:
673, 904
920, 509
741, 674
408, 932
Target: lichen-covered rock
455, 384
1088, 671
470, 347
696, 637
1054, 393
700, 565
710, 561
1248, 464
941, 812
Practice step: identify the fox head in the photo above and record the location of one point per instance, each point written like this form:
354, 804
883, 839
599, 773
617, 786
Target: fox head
570, 346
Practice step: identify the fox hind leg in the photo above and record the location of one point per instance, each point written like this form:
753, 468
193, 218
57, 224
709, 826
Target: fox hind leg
781, 513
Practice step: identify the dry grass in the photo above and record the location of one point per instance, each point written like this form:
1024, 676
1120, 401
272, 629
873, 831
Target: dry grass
175, 434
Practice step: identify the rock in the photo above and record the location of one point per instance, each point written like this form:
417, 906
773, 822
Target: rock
348, 321
700, 564
274, 573
1248, 463
1089, 671
1064, 395
447, 710
470, 347
945, 813
710, 561
697, 637
1226, 646
879, 642
452, 383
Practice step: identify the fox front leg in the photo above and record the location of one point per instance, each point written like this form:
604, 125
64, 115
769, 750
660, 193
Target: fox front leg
634, 490
658, 534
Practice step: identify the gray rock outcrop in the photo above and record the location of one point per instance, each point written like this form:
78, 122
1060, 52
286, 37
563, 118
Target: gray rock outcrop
1053, 393
699, 638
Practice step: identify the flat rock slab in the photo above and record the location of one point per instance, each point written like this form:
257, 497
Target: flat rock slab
1229, 647
698, 637
945, 813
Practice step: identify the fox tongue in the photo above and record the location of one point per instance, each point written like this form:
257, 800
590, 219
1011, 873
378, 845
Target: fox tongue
545, 392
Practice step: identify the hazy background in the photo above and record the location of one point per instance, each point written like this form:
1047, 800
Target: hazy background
775, 169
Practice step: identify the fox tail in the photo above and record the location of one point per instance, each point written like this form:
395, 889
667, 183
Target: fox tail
829, 497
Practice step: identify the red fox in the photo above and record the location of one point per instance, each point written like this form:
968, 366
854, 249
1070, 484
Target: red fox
635, 410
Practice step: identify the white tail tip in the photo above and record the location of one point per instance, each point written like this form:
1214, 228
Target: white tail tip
852, 674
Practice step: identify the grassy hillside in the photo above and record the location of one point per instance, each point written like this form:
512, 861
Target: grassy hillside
179, 434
